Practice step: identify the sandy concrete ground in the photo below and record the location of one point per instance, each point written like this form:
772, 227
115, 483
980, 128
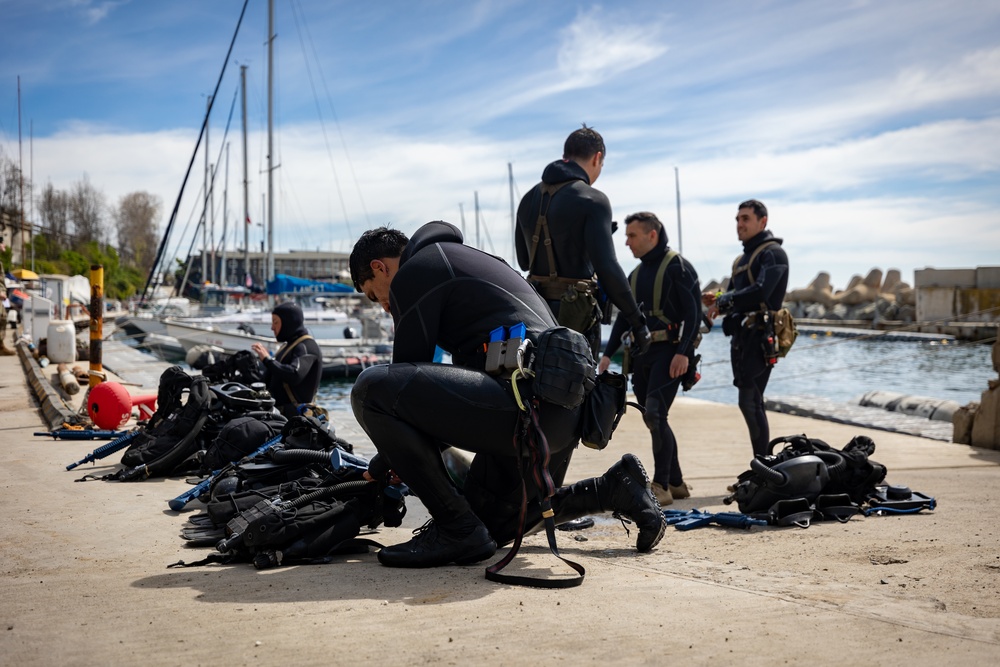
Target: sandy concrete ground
85, 579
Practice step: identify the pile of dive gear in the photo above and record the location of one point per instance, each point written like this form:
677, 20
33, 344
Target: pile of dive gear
274, 491
809, 480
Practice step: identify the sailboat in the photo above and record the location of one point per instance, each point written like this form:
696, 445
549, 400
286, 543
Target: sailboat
350, 333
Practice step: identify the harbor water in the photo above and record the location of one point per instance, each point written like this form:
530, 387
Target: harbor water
829, 367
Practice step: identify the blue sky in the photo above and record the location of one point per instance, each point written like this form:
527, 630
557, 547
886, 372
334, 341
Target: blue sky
870, 129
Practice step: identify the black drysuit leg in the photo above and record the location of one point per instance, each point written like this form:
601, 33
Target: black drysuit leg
655, 391
412, 411
750, 375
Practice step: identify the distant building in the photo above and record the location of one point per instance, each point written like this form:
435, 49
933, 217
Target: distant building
311, 264
961, 295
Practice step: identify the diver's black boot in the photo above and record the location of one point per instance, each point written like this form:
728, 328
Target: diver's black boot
462, 541
625, 491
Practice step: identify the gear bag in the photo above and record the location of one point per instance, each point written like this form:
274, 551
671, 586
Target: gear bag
603, 409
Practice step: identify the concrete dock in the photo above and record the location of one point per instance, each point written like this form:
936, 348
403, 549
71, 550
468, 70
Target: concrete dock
85, 580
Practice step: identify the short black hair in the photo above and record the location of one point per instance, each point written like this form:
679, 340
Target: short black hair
758, 208
648, 220
374, 244
584, 144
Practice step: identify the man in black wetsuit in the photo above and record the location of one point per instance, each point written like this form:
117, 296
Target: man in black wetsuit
667, 282
294, 372
758, 284
442, 292
564, 242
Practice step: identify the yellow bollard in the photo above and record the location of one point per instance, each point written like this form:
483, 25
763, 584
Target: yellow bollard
96, 324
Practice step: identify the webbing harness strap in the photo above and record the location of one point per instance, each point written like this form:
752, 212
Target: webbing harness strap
530, 434
657, 310
281, 356
542, 226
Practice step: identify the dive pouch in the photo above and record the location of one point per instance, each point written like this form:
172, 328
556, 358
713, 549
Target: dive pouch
578, 307
563, 367
603, 409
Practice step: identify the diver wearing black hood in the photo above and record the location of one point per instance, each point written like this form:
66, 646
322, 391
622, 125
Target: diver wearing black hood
294, 372
442, 292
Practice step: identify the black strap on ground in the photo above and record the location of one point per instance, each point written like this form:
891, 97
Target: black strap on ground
530, 434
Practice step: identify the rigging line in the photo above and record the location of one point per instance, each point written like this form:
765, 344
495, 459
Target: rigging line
201, 135
340, 132
222, 145
822, 371
322, 124
194, 207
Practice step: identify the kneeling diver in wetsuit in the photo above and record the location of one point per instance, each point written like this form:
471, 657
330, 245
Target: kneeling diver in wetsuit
441, 292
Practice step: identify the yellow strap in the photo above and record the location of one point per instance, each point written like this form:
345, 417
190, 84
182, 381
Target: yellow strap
517, 394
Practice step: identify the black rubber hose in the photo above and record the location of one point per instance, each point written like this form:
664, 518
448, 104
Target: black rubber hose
300, 456
835, 463
775, 477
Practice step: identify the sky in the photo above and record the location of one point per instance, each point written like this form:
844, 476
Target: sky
871, 130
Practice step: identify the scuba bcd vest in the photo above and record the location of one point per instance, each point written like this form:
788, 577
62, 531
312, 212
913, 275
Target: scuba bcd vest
577, 297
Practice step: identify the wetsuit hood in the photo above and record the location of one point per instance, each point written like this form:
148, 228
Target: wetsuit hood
292, 322
429, 234
763, 237
561, 171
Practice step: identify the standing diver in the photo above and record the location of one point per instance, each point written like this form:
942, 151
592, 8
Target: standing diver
564, 243
756, 289
668, 283
442, 292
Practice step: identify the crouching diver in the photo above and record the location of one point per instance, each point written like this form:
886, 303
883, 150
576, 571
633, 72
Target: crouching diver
294, 372
441, 292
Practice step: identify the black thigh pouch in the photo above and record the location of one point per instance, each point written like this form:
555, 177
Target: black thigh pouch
603, 409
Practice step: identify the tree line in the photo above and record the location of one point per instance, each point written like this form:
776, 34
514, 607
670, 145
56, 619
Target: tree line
76, 228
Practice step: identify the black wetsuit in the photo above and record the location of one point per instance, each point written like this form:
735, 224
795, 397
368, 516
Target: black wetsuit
451, 295
655, 390
579, 221
750, 369
299, 369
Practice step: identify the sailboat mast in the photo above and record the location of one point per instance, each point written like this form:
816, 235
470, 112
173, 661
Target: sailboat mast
513, 218
677, 187
270, 140
20, 172
204, 211
223, 275
476, 194
246, 183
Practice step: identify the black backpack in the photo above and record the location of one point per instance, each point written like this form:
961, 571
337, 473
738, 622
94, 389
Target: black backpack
172, 434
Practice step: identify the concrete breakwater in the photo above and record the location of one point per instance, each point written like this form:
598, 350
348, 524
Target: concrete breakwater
964, 303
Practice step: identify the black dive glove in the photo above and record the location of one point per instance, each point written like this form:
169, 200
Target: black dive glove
640, 334
378, 467
724, 302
